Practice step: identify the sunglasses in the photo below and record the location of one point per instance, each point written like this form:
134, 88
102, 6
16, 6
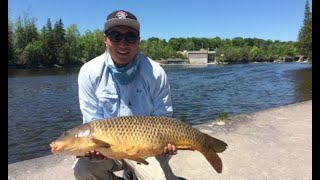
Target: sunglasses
116, 36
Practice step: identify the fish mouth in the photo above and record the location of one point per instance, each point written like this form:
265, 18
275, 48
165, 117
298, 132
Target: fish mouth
62, 149
54, 148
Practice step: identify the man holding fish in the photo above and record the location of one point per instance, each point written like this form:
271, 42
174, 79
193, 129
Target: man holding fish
126, 106
122, 82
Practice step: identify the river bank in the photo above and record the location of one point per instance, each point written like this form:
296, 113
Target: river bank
270, 144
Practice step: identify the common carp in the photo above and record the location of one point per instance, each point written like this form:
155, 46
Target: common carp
136, 138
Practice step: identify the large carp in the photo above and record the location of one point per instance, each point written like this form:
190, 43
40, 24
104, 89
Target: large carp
136, 138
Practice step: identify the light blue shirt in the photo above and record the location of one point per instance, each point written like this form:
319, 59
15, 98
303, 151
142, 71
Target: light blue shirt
100, 96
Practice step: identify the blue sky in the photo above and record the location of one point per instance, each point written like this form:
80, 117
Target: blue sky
265, 19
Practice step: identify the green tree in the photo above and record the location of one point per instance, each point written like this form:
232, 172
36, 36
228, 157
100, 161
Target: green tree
189, 45
176, 43
10, 44
255, 54
59, 39
25, 33
72, 46
305, 33
48, 54
157, 49
238, 41
54, 45
215, 43
33, 53
92, 44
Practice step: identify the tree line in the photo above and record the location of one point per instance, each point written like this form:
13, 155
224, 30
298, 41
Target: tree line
53, 45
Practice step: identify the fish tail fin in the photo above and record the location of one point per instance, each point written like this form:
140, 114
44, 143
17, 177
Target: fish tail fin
213, 143
213, 159
211, 147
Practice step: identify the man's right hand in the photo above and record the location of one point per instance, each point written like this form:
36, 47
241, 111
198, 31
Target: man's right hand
94, 155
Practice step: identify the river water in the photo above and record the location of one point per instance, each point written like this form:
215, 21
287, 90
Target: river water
44, 103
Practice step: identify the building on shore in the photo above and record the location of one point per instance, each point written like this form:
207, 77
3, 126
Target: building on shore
203, 56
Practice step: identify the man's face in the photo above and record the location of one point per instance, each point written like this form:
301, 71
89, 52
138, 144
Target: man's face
122, 52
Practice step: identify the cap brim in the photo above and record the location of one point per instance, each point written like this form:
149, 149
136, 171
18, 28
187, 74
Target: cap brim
122, 22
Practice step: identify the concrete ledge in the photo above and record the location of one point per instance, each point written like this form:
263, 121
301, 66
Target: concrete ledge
271, 144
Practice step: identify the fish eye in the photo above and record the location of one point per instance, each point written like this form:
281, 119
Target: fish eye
66, 133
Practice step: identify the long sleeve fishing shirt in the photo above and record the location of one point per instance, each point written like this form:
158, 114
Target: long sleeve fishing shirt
100, 96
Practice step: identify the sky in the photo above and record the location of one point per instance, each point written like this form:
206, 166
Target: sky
165, 19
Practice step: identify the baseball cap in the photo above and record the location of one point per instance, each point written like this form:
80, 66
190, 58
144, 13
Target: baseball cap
122, 18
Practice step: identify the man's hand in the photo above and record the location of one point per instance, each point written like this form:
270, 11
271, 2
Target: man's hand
94, 155
169, 150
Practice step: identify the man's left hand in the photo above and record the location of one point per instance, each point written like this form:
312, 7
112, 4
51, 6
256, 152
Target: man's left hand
169, 150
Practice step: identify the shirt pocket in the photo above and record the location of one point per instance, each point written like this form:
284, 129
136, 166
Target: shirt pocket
109, 103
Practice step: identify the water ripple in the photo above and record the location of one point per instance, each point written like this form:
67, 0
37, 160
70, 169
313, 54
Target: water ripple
44, 103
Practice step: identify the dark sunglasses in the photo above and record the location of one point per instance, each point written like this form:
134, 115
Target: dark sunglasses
116, 36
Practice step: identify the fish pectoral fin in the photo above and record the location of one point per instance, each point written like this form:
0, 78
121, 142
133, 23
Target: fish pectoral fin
138, 160
104, 151
100, 143
132, 151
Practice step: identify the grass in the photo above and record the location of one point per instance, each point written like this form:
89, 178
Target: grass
222, 116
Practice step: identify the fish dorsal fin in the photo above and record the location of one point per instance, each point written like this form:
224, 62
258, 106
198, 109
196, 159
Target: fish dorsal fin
100, 143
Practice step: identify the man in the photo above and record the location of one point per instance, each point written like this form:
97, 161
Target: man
122, 82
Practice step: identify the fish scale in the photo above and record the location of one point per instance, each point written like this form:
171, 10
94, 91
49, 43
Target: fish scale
138, 137
148, 129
